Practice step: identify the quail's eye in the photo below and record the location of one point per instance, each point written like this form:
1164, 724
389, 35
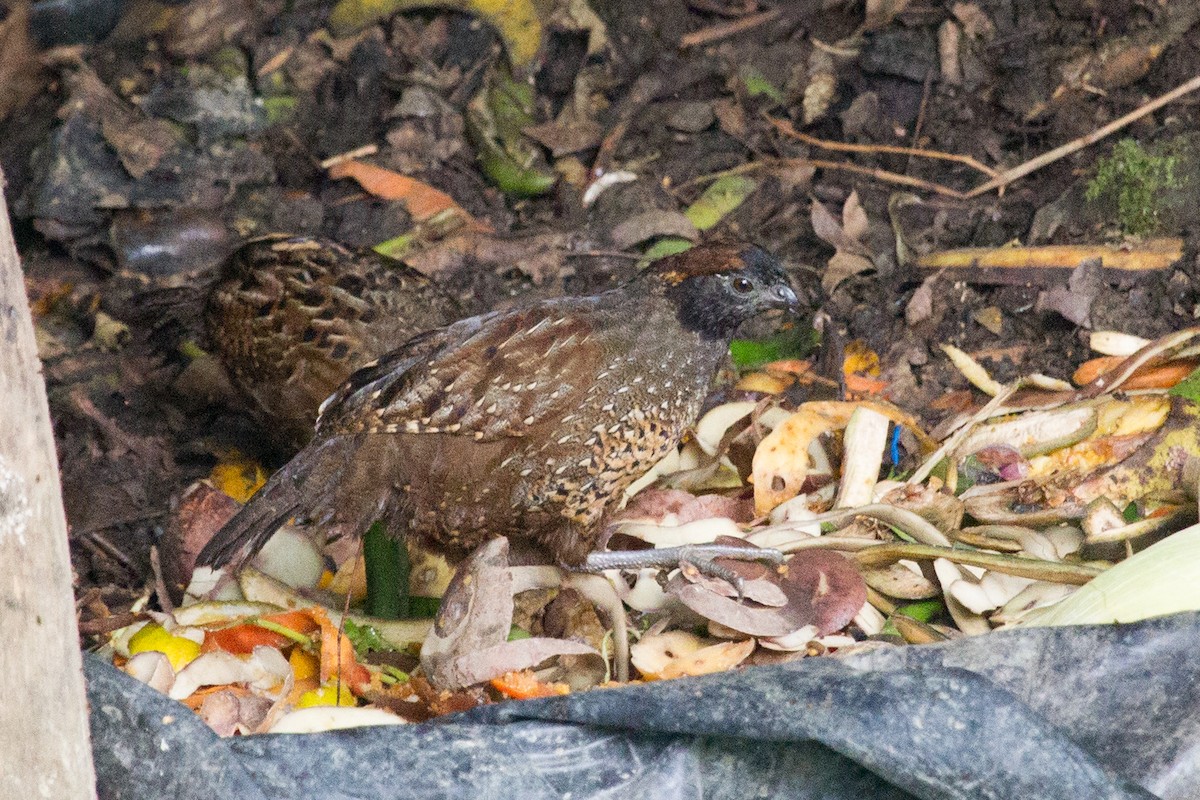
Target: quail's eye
742, 285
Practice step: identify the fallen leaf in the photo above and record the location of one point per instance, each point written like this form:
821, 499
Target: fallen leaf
21, 75
850, 257
650, 225
420, 199
565, 136
203, 510
468, 642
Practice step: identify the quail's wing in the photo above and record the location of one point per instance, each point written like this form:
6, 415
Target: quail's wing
489, 377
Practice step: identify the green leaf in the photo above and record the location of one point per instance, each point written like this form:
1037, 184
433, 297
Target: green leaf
496, 118
365, 638
1188, 388
758, 86
792, 343
396, 248
671, 245
719, 200
279, 109
923, 611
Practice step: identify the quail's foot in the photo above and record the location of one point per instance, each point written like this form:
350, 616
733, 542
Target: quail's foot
701, 556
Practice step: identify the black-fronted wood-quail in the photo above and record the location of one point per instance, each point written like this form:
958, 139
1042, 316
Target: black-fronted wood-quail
527, 423
293, 316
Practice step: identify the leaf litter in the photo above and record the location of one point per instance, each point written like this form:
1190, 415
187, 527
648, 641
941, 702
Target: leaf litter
1026, 490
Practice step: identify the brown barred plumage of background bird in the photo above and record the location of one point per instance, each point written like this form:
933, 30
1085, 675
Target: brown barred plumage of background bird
293, 316
527, 423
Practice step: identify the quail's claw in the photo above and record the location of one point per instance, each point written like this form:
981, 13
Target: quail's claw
707, 566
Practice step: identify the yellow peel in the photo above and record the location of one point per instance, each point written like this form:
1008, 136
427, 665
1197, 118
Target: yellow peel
973, 371
782, 462
179, 651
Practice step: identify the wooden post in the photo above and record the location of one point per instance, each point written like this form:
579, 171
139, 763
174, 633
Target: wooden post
44, 750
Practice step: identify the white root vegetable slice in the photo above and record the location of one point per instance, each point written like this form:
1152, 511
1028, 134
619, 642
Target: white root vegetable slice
1034, 432
864, 443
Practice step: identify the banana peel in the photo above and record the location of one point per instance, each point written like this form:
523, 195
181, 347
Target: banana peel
517, 21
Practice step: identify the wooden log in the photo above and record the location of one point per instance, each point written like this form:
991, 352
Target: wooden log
44, 745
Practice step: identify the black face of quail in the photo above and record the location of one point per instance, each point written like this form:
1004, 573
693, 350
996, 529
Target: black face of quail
733, 286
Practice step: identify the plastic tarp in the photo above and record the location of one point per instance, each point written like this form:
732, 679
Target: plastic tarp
1081, 712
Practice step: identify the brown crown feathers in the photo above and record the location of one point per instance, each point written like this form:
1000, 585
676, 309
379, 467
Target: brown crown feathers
527, 423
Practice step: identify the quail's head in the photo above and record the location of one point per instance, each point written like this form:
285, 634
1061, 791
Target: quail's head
717, 288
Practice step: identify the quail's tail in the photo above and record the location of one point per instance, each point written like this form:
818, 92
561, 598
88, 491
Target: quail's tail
304, 487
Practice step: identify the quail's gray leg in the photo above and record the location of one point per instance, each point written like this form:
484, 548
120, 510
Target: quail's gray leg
701, 556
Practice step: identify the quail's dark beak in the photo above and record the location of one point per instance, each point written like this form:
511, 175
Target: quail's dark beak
782, 298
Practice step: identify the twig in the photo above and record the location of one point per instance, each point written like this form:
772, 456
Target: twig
350, 155
921, 110
1034, 164
878, 174
786, 127
724, 30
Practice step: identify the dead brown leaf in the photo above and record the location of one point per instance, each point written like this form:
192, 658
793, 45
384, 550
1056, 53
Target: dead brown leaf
650, 225
419, 199
21, 74
468, 642
140, 142
851, 256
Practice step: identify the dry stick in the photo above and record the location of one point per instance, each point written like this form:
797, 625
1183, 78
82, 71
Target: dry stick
1008, 176
727, 29
921, 110
879, 174
350, 155
785, 127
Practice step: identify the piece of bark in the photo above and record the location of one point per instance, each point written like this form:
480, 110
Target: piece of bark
43, 721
